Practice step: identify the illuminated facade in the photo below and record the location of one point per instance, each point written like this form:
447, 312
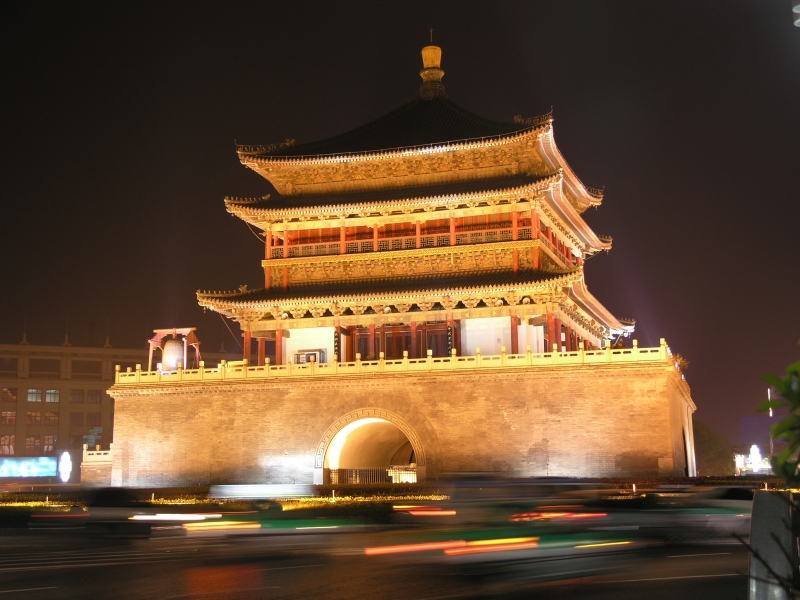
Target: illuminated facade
428, 250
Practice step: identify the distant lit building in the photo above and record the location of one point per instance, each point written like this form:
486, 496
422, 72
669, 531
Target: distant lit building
52, 397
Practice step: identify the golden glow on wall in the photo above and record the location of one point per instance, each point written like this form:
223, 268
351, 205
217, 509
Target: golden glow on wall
340, 439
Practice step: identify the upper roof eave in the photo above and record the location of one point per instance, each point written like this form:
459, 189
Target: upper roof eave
246, 157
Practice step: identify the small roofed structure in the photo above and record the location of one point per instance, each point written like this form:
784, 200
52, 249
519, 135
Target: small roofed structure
184, 336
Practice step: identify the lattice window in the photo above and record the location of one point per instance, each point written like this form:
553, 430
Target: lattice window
525, 233
411, 243
294, 251
383, 245
397, 244
277, 253
442, 240
428, 241
476, 238
505, 235
351, 247
490, 236
462, 238
333, 248
320, 249
366, 246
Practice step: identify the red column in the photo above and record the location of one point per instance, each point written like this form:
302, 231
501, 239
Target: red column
371, 346
419, 242
279, 347
285, 255
568, 338
515, 236
568, 254
342, 239
375, 238
551, 328
557, 333
268, 256
261, 351
587, 345
452, 231
348, 345
247, 350
413, 352
535, 258
457, 336
514, 334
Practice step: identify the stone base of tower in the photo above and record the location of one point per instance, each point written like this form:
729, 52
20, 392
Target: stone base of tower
573, 421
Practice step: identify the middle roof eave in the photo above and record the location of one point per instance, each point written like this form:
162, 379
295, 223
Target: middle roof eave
278, 202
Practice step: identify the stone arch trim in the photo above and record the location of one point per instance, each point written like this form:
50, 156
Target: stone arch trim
363, 413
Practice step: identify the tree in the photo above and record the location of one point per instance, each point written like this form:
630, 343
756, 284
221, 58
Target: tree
787, 429
713, 452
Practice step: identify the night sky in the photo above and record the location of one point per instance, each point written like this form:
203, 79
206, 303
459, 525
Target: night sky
119, 121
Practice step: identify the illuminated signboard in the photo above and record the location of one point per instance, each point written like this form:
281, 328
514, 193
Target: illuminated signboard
38, 466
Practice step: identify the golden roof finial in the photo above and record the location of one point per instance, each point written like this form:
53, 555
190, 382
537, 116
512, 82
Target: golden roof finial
432, 71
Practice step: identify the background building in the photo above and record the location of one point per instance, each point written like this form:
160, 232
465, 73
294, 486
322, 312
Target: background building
53, 396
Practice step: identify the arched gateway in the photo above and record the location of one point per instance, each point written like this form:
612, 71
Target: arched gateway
369, 445
431, 263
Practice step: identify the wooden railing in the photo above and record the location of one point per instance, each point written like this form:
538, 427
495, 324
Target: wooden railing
408, 242
527, 360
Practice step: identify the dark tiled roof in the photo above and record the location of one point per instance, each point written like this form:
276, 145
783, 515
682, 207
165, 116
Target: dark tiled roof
387, 195
415, 284
420, 122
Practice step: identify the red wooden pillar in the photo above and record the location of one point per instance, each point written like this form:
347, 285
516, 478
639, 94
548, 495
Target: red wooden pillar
371, 346
419, 241
536, 233
247, 349
557, 332
342, 239
413, 352
278, 347
515, 236
514, 334
457, 336
551, 329
452, 231
375, 237
568, 254
285, 255
268, 256
350, 355
262, 347
587, 345
568, 338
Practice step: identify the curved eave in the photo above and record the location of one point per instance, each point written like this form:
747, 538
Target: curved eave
579, 293
246, 210
584, 196
236, 300
247, 158
567, 213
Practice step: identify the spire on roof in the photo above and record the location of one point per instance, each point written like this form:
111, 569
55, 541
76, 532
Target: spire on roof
431, 73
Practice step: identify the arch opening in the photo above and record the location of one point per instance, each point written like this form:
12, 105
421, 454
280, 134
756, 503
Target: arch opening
370, 450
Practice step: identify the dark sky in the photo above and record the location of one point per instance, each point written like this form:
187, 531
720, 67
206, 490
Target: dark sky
119, 121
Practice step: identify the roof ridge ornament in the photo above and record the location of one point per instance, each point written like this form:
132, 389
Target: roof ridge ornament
431, 73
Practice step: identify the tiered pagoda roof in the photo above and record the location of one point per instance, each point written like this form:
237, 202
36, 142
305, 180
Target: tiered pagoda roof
427, 160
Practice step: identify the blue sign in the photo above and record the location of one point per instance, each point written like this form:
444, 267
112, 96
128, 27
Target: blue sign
40, 466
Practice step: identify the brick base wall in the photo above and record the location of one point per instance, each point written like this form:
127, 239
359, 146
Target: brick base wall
586, 421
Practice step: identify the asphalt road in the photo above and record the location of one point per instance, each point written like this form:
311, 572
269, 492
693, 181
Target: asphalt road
75, 564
